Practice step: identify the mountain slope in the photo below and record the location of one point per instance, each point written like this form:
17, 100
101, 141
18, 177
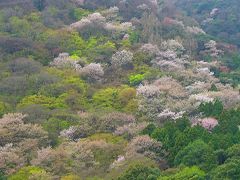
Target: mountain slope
218, 18
120, 89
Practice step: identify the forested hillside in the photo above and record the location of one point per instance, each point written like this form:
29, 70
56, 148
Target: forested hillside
218, 18
119, 89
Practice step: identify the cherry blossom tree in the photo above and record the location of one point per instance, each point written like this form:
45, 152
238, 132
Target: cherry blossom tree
207, 123
167, 114
97, 21
171, 58
93, 71
164, 93
195, 30
174, 46
150, 49
122, 58
19, 141
145, 146
130, 130
211, 49
10, 155
65, 61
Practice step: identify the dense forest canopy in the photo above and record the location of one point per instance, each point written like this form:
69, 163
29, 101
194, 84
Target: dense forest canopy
119, 89
218, 18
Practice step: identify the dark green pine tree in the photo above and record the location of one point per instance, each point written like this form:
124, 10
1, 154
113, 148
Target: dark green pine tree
211, 108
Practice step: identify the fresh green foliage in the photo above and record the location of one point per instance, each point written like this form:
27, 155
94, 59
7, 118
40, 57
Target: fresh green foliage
49, 102
28, 172
229, 170
116, 98
193, 173
135, 80
4, 108
78, 13
140, 172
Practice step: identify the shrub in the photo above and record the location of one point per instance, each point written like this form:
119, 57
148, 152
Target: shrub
125, 95
49, 102
3, 108
140, 172
24, 66
193, 173
135, 80
106, 98
114, 98
30, 172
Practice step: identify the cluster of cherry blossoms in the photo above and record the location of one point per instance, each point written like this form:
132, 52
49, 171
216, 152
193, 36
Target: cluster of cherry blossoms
97, 20
65, 61
174, 46
169, 98
229, 97
204, 64
141, 146
167, 114
68, 133
122, 58
171, 57
198, 87
188, 29
118, 162
159, 101
214, 12
93, 71
195, 30
17, 138
197, 99
122, 27
149, 49
163, 98
211, 49
204, 71
145, 146
111, 13
130, 130
57, 159
207, 123
10, 155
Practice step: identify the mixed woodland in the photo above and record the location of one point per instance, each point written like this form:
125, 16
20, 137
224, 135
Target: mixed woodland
119, 89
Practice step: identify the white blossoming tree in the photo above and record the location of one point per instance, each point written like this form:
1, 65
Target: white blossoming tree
211, 49
122, 58
93, 71
150, 49
65, 61
97, 23
171, 58
162, 99
18, 141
